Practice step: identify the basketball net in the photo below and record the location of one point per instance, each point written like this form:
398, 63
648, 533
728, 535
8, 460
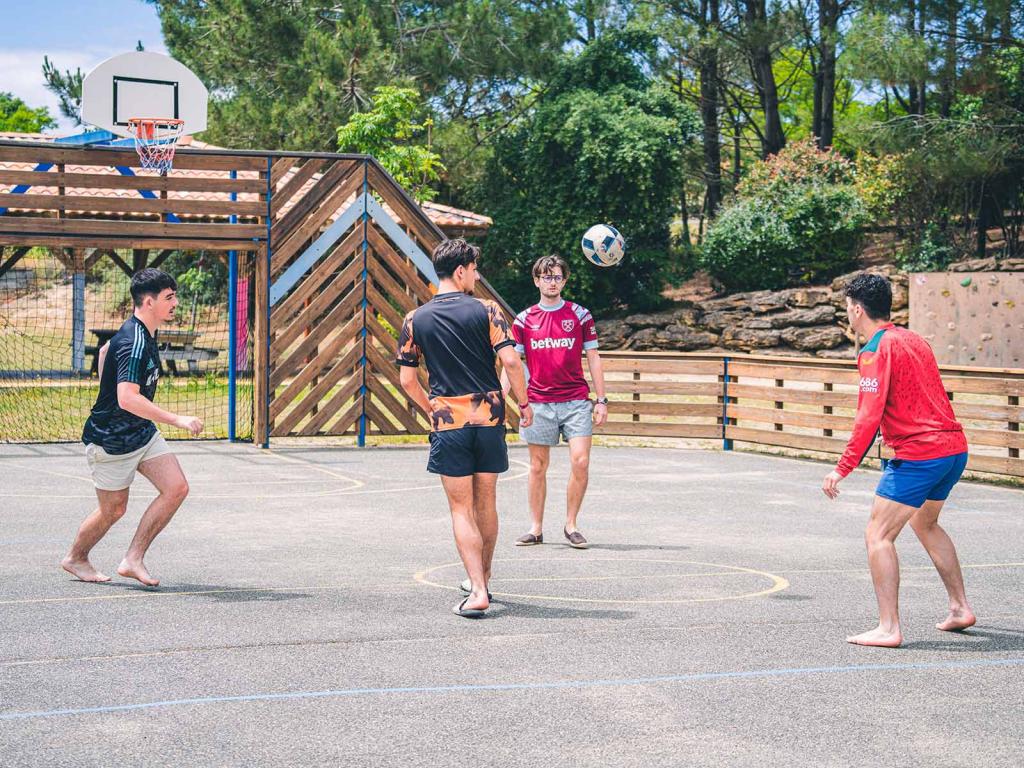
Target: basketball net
156, 138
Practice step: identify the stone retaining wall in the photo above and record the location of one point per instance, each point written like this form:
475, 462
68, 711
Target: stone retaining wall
795, 321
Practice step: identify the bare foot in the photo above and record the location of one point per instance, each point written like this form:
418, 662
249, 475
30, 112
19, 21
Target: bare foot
878, 637
82, 570
477, 602
138, 572
957, 620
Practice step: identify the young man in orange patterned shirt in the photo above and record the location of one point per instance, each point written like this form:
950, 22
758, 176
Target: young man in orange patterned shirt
458, 337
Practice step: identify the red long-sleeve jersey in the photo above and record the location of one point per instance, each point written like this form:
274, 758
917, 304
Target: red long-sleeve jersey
901, 392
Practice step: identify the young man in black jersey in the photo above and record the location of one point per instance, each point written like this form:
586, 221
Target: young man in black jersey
121, 438
459, 337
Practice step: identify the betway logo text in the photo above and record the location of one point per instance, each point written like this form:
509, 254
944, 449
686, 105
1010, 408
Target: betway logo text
552, 343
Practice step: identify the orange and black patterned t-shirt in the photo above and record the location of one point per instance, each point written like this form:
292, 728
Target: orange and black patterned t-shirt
458, 336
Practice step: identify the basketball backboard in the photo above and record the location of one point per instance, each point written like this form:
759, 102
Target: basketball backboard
143, 84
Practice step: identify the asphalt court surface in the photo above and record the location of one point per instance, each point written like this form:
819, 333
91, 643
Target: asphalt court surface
304, 619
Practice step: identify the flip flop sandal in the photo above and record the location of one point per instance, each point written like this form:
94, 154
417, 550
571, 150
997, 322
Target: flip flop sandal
468, 613
467, 588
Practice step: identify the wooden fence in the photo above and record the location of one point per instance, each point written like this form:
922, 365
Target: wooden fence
794, 403
341, 254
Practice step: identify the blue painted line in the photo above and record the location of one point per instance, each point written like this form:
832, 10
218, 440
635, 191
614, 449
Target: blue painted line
21, 189
499, 687
146, 193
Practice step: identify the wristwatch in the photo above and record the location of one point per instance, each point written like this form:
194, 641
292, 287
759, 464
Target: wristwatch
600, 401
524, 405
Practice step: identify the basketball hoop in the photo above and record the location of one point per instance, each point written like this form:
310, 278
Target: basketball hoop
156, 138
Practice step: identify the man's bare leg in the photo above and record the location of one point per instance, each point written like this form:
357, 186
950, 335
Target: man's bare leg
485, 510
540, 458
468, 539
939, 546
165, 474
112, 506
887, 520
579, 477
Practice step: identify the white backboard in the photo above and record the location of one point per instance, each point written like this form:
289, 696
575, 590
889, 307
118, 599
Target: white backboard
143, 84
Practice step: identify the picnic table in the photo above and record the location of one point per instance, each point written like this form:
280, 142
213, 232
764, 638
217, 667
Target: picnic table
175, 346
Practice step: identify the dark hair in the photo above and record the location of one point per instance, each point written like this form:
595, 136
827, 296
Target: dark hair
150, 282
452, 254
873, 293
545, 264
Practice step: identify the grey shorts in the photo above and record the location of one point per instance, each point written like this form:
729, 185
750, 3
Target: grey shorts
570, 419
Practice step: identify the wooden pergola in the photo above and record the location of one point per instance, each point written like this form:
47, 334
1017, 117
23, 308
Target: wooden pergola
340, 253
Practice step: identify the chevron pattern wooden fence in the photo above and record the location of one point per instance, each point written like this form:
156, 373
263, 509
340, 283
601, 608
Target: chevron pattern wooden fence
349, 256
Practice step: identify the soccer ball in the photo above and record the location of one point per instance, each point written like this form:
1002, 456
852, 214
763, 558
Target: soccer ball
603, 245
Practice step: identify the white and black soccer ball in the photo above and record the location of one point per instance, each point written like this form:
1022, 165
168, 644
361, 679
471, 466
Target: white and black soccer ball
603, 245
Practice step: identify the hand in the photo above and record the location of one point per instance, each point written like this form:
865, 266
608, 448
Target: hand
526, 417
191, 424
600, 414
831, 484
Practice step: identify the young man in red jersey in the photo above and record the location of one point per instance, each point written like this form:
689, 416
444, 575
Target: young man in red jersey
902, 393
554, 334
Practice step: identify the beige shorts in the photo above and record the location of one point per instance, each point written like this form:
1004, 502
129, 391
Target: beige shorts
115, 472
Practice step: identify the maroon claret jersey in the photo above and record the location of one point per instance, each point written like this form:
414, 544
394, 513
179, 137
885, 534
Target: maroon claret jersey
554, 340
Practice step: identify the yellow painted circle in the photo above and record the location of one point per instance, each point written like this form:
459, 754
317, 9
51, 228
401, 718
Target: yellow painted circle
778, 583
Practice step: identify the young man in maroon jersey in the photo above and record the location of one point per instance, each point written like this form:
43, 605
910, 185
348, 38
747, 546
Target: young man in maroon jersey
901, 392
554, 334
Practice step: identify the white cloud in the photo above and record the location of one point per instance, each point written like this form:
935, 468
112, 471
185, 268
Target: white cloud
22, 75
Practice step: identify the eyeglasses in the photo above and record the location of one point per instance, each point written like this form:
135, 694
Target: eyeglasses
552, 278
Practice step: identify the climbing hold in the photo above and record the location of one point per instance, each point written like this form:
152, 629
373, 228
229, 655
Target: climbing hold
965, 282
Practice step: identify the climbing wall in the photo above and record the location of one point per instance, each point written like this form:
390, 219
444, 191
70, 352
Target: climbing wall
970, 318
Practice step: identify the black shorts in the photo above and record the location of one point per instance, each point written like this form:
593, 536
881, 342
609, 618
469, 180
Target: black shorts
466, 451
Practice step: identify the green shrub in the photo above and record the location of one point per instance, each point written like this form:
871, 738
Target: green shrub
797, 219
932, 253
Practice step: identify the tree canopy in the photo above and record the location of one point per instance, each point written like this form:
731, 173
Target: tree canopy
17, 116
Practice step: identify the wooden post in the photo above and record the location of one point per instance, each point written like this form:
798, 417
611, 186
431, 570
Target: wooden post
140, 259
261, 362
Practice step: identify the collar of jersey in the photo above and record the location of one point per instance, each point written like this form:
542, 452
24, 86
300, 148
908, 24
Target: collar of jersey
448, 293
551, 309
876, 339
144, 328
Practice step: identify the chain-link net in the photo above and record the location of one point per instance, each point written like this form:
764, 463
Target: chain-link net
58, 308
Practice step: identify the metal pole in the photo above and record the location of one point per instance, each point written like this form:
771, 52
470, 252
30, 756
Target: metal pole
362, 362
726, 442
265, 437
78, 318
232, 330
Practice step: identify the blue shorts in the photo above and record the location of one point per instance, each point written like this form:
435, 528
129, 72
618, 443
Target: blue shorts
466, 451
915, 482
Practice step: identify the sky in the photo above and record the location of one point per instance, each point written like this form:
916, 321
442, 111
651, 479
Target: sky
73, 33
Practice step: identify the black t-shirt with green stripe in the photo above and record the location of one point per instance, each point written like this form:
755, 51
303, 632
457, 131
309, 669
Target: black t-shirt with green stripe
131, 357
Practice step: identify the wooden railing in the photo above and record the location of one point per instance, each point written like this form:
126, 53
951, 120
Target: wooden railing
796, 403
